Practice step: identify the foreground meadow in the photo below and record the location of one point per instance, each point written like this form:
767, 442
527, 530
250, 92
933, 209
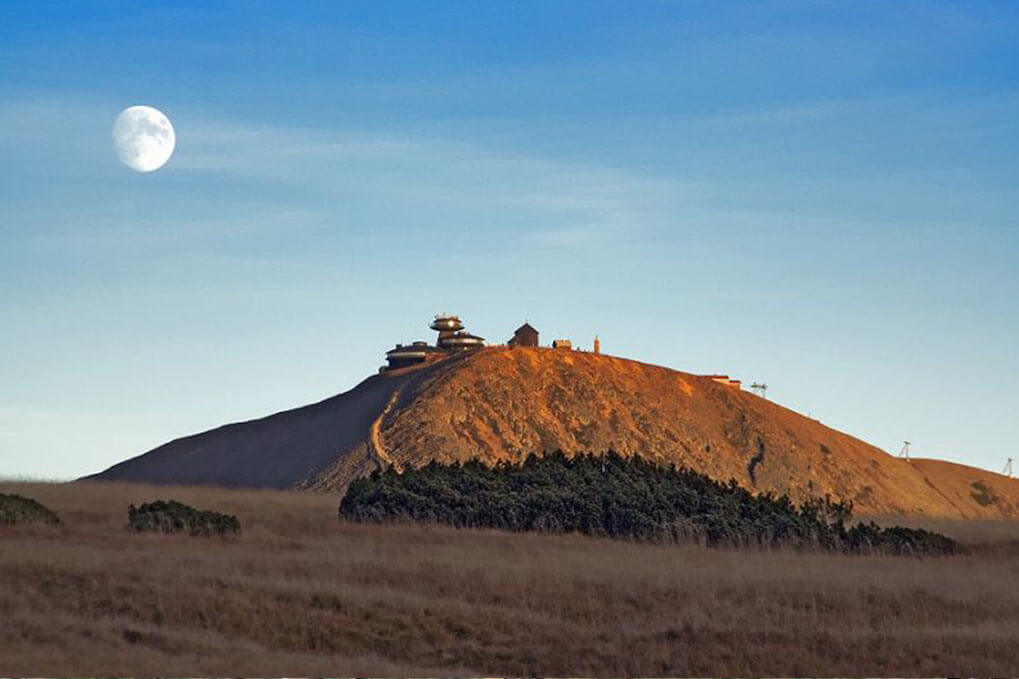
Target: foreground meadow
300, 592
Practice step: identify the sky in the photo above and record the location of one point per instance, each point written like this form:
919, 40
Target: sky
821, 196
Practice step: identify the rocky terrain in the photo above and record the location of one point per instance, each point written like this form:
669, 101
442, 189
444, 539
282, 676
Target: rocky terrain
501, 404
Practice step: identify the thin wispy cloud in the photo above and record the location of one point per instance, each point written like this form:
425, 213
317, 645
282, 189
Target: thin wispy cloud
543, 195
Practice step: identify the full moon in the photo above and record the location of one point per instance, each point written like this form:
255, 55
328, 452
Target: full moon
144, 138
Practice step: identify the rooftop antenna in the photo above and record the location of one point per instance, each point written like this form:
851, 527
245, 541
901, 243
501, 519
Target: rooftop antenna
759, 388
904, 453
1008, 469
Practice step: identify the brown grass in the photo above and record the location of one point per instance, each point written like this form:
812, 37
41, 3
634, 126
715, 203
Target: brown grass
302, 593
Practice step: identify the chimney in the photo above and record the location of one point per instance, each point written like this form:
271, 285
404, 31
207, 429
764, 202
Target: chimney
597, 345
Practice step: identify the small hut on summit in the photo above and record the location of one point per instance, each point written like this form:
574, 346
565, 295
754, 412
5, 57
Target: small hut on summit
726, 380
524, 336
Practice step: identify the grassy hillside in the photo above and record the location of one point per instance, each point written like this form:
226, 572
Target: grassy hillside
500, 405
504, 404
300, 592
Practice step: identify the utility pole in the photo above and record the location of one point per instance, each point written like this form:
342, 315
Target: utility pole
904, 453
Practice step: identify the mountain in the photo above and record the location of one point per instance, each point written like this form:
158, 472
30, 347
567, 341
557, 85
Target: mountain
502, 403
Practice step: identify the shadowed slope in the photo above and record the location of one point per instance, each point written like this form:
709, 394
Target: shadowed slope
279, 451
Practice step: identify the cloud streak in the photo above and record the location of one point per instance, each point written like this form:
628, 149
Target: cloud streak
427, 171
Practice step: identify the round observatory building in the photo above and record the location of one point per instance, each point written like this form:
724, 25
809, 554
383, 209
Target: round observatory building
452, 336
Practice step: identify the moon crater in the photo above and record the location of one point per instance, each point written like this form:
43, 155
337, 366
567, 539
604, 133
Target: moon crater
144, 138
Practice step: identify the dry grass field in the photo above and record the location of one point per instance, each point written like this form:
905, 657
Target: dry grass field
301, 593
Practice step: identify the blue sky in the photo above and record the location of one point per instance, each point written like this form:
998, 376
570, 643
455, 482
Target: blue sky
819, 195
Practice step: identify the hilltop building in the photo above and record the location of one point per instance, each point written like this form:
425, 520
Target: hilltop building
524, 336
451, 334
452, 338
417, 352
726, 380
562, 344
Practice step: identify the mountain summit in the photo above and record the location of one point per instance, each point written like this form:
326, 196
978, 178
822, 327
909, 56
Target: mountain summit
503, 403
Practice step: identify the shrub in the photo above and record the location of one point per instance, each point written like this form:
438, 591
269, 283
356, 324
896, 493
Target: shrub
982, 495
16, 510
623, 498
170, 516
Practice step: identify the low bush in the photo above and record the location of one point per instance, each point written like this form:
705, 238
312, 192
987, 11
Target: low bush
170, 516
16, 510
624, 498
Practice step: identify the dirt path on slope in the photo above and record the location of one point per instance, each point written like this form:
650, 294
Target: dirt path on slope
378, 449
